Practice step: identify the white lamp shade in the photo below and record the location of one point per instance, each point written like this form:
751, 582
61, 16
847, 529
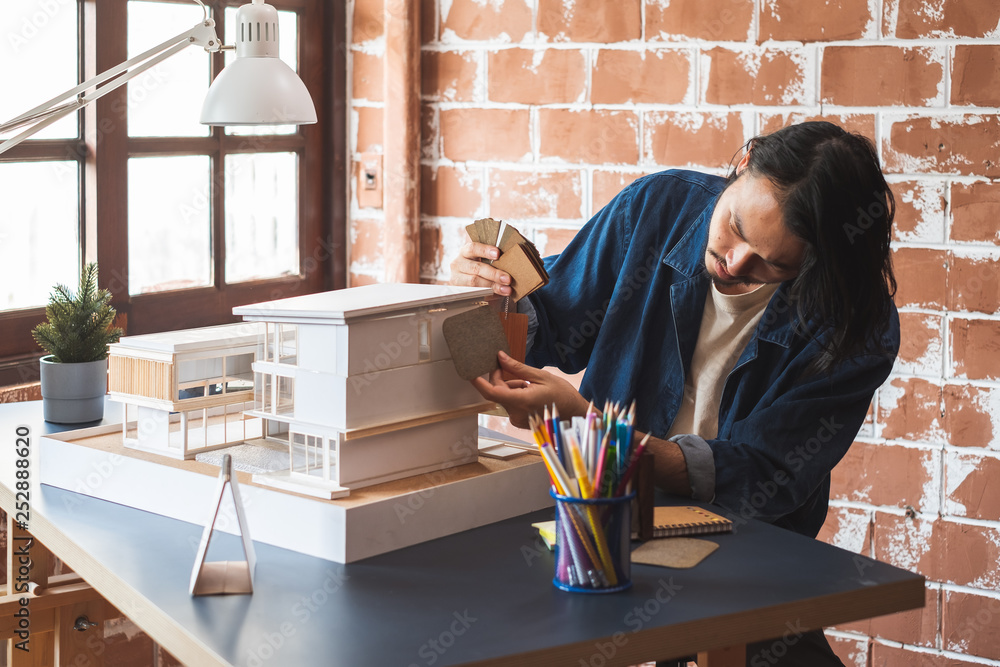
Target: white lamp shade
258, 91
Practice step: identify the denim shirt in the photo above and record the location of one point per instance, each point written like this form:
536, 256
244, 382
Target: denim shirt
625, 302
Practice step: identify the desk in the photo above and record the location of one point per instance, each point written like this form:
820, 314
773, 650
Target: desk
480, 597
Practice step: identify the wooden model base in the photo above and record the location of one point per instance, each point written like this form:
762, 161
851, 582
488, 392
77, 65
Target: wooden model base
372, 520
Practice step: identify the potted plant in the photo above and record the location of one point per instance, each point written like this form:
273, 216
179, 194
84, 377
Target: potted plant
76, 336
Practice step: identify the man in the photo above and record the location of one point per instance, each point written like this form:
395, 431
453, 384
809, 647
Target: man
751, 318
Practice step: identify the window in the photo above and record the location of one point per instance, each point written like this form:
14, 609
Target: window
40, 195
186, 221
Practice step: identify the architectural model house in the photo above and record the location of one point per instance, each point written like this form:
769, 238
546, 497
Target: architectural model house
184, 392
357, 383
360, 384
346, 393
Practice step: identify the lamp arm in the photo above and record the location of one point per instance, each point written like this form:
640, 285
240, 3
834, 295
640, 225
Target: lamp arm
45, 114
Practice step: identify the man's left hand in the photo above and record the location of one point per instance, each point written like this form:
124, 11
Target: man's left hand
530, 393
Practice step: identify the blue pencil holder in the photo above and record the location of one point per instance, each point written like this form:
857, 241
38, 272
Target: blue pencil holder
593, 544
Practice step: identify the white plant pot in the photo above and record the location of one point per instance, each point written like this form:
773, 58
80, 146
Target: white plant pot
73, 393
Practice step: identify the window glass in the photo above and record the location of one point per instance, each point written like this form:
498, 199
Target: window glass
262, 231
166, 100
169, 223
39, 231
38, 59
188, 186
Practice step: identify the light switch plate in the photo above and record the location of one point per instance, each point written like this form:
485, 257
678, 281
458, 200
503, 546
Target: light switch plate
370, 181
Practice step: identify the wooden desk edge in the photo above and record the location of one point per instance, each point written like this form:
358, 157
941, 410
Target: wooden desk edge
157, 624
630, 648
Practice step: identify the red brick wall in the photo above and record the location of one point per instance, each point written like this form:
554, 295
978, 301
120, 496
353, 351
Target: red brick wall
539, 111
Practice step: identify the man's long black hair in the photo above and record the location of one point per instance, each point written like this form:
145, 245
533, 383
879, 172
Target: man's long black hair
834, 197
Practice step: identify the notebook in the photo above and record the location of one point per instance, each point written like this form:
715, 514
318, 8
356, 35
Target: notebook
686, 520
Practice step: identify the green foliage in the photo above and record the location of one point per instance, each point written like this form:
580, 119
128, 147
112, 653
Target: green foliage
80, 326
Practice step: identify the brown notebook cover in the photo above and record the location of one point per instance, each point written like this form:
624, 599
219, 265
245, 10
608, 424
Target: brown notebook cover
686, 520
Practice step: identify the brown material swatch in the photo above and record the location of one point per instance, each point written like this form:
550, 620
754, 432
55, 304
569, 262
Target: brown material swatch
510, 238
676, 552
515, 328
524, 276
484, 230
474, 338
518, 256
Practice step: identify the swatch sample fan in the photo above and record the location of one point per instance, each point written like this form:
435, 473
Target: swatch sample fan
518, 255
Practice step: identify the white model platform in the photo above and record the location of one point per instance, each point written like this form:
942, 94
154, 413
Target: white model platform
372, 520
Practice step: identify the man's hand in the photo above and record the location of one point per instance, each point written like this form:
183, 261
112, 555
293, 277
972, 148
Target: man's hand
468, 271
530, 393
535, 389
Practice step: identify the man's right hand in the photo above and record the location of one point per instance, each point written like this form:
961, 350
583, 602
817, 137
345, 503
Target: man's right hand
468, 271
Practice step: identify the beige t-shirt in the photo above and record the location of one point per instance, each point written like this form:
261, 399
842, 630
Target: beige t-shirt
727, 325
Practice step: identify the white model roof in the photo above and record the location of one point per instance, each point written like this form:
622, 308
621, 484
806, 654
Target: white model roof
194, 340
340, 306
